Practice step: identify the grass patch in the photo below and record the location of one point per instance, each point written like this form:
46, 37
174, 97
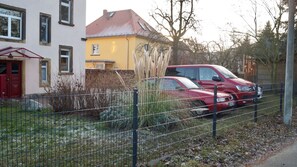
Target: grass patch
45, 138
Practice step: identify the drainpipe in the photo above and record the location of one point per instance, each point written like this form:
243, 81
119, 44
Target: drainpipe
128, 48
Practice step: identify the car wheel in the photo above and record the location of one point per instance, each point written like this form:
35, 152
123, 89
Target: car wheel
198, 108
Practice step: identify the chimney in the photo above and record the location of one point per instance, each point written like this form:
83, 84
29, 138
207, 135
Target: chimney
104, 12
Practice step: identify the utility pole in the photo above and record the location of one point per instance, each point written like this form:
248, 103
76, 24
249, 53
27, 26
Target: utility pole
288, 103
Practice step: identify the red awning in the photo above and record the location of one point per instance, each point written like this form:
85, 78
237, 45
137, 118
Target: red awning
12, 52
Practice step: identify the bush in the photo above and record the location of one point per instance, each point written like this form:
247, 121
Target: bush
68, 95
116, 118
154, 112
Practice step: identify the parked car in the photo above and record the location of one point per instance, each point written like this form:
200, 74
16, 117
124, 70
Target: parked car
208, 76
198, 96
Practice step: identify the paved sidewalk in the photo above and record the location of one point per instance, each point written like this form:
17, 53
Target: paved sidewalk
285, 158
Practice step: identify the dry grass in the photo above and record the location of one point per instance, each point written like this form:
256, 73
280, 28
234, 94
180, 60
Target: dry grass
151, 63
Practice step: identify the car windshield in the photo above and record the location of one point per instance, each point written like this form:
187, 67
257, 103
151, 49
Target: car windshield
189, 84
226, 72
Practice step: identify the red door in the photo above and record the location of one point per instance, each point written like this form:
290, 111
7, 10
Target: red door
10, 79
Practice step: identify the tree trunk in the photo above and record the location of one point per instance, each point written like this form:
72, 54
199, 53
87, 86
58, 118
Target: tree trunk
174, 58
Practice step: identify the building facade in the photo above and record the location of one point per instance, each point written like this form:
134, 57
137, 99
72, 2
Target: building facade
115, 36
39, 42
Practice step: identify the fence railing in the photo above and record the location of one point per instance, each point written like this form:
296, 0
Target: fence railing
129, 128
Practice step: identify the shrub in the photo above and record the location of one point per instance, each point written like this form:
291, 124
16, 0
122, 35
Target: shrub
117, 119
68, 95
63, 94
154, 112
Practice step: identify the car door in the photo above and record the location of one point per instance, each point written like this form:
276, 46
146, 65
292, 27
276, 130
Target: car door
205, 78
173, 88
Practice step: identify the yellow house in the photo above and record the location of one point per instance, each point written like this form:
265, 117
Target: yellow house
114, 37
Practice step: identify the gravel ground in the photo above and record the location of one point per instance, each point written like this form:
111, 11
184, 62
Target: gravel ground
242, 146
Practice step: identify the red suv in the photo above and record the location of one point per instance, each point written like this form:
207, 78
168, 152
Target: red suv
208, 76
185, 89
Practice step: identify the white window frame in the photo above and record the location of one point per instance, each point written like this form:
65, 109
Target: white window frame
46, 82
46, 70
68, 5
48, 28
10, 17
95, 51
68, 57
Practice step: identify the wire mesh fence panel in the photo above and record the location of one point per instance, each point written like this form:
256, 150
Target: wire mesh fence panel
167, 123
95, 129
66, 130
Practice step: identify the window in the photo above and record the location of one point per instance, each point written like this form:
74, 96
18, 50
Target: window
44, 73
148, 27
173, 72
169, 84
226, 72
65, 64
66, 12
15, 68
190, 73
206, 74
3, 68
95, 49
141, 25
12, 23
45, 29
111, 14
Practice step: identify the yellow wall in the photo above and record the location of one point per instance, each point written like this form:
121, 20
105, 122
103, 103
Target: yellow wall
114, 49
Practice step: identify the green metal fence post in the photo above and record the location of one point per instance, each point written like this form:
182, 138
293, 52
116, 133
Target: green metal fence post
214, 120
281, 98
135, 126
256, 104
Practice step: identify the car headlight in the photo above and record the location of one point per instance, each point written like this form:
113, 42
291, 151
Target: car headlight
259, 90
221, 99
243, 88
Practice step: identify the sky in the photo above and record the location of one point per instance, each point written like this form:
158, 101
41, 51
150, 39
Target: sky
216, 17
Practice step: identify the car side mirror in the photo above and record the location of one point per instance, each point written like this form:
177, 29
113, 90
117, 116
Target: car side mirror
216, 78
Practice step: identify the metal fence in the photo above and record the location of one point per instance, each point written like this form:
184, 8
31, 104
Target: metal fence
130, 128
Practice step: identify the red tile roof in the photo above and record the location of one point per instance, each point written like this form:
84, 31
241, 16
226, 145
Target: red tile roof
119, 23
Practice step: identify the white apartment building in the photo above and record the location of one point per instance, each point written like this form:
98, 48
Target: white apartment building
40, 40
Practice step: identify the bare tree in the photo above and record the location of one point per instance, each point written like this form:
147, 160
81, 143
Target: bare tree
196, 51
177, 21
266, 54
222, 52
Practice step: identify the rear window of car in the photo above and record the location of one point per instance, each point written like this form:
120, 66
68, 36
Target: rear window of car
187, 72
189, 84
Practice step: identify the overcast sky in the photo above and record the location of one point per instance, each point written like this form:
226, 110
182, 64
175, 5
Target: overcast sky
215, 16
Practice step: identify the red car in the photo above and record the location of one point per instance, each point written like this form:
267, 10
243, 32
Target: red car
208, 76
184, 88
